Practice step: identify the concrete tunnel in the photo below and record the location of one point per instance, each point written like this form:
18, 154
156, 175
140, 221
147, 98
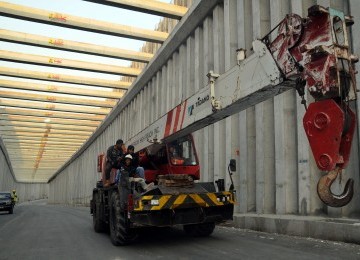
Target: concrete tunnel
276, 175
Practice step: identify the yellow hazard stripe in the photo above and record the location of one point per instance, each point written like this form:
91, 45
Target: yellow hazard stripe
162, 201
179, 201
175, 201
199, 200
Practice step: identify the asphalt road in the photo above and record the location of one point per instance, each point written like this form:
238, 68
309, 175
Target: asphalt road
39, 231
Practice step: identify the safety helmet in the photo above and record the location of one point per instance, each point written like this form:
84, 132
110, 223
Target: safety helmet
14, 191
128, 156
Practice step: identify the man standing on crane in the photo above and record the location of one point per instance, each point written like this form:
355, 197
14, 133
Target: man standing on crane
114, 155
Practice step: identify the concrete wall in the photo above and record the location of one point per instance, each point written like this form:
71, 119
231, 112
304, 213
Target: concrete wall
276, 173
25, 191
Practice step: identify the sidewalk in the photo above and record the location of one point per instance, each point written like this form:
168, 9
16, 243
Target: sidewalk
336, 229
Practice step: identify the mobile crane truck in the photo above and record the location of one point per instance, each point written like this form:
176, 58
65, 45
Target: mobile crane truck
305, 54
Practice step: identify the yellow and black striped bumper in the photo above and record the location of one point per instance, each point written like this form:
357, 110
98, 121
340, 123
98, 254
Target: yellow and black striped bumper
181, 201
182, 209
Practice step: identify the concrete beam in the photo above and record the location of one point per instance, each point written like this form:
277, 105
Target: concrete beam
31, 160
50, 153
78, 47
47, 150
32, 167
37, 130
59, 136
56, 98
42, 163
39, 139
49, 121
67, 64
51, 157
81, 23
55, 77
147, 6
47, 142
9, 124
51, 138
8, 102
110, 93
49, 114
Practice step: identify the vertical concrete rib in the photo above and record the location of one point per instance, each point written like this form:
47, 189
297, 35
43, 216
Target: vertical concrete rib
242, 135
259, 10
190, 65
207, 168
264, 129
198, 61
230, 38
285, 140
354, 6
303, 163
352, 170
169, 85
176, 95
219, 138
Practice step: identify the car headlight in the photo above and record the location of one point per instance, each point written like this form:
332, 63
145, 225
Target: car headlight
8, 202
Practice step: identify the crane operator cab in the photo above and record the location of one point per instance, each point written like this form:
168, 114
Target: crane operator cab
175, 157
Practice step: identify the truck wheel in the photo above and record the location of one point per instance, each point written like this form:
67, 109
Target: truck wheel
200, 230
98, 224
120, 232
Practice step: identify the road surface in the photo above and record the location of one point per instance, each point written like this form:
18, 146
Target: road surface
40, 231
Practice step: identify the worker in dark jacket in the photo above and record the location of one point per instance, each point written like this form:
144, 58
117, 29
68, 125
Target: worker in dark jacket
114, 156
139, 171
127, 168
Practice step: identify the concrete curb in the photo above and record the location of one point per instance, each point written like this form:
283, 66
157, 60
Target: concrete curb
336, 229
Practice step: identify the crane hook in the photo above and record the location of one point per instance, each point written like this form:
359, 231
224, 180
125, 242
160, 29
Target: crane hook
330, 199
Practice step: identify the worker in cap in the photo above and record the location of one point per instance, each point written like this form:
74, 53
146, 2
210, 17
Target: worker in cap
128, 169
114, 156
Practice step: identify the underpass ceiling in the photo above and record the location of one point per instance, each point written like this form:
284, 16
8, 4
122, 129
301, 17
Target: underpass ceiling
55, 90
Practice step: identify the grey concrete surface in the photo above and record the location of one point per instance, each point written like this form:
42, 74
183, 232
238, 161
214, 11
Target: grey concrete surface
336, 229
40, 231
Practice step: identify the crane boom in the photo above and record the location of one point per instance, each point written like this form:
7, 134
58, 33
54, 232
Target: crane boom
311, 53
256, 79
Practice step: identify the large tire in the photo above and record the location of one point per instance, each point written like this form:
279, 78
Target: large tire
120, 232
11, 211
200, 230
98, 224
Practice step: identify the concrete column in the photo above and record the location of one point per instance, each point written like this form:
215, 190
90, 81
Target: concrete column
354, 6
325, 3
198, 74
158, 94
352, 170
169, 85
219, 134
284, 109
182, 72
190, 67
176, 62
206, 165
231, 131
244, 22
303, 165
198, 59
265, 191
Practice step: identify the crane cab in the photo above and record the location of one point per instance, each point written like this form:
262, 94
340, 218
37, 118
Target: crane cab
175, 157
